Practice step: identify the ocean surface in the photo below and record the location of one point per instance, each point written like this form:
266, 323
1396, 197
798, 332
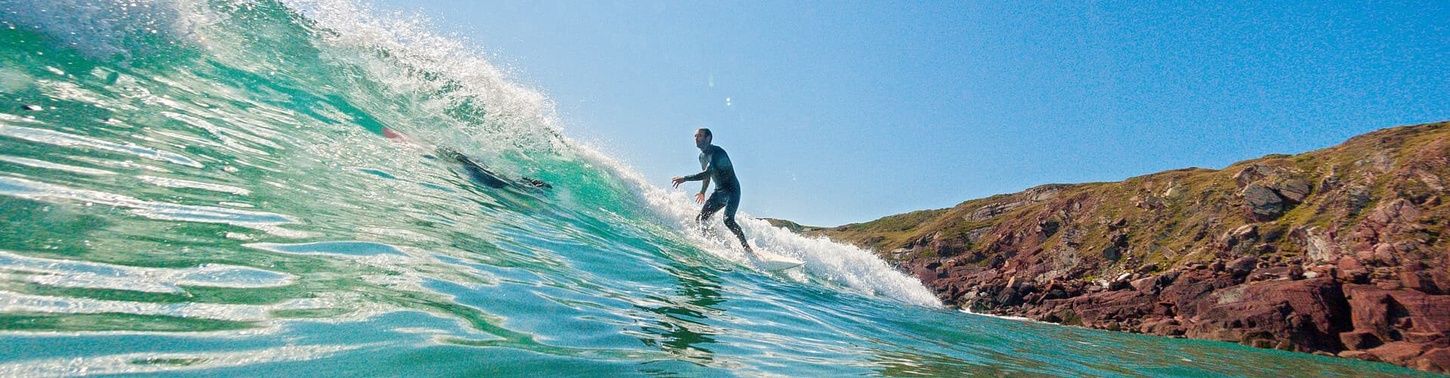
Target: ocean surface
253, 188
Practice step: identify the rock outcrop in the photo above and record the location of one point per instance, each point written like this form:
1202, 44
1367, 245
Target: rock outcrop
1338, 251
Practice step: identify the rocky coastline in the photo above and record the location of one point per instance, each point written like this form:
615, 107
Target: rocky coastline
1339, 251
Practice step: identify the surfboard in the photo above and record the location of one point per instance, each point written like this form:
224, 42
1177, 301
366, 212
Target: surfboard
773, 262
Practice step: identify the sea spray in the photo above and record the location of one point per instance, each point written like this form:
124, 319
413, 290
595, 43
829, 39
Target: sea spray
206, 187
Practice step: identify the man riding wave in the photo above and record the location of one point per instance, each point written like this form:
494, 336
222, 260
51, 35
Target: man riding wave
716, 167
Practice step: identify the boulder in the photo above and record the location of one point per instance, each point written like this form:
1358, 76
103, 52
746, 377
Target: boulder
1243, 235
1294, 190
1146, 284
1243, 265
1264, 204
1351, 271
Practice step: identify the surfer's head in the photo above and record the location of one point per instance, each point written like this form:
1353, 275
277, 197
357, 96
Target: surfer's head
703, 137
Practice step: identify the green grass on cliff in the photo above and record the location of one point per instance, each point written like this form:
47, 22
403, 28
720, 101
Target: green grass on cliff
1175, 217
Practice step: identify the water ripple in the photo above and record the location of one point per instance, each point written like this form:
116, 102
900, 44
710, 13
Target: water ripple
341, 248
56, 166
133, 363
84, 274
40, 191
61, 139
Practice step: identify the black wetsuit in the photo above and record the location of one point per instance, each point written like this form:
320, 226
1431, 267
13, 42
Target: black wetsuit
483, 176
716, 165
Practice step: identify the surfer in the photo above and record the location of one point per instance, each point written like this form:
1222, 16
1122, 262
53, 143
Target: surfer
716, 166
475, 170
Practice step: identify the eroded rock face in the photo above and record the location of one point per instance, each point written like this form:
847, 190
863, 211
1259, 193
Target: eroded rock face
1342, 251
1327, 313
1304, 315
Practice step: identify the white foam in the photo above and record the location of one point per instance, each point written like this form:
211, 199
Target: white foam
441, 73
853, 268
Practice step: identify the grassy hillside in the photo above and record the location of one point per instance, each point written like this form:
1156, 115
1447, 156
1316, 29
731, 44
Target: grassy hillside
1174, 217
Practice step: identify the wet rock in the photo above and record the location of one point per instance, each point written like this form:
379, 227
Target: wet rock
1008, 297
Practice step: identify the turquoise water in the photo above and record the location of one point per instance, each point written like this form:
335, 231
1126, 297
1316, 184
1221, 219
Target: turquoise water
204, 188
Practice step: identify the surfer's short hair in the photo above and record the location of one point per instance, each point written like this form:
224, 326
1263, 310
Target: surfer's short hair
707, 132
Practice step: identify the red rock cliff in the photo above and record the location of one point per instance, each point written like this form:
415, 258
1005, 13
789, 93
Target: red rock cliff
1337, 251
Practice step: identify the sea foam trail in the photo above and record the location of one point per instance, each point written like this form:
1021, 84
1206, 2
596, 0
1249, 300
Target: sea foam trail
852, 268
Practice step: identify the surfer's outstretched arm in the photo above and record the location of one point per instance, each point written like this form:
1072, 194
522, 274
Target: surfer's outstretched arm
695, 177
707, 162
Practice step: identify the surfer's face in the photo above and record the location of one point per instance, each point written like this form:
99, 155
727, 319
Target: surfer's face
701, 140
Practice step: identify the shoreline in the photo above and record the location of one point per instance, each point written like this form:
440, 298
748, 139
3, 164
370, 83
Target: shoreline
1341, 251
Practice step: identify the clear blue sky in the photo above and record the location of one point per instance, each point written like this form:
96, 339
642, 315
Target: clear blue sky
845, 111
